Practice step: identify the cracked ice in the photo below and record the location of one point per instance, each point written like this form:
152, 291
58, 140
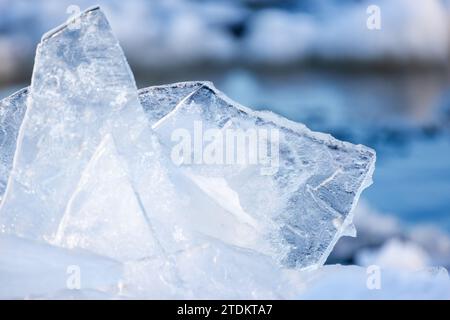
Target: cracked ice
85, 166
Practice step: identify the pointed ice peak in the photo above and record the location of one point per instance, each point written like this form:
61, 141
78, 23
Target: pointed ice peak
82, 88
72, 21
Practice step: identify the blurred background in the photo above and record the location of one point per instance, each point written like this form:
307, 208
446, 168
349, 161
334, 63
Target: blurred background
312, 61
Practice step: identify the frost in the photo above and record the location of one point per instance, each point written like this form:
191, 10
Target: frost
29, 270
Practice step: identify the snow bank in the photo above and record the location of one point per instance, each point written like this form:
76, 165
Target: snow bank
386, 241
32, 270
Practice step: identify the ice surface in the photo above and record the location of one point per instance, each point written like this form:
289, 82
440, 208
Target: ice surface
29, 270
158, 101
12, 111
212, 270
306, 205
104, 215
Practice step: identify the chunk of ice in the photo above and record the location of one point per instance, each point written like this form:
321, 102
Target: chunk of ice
293, 209
69, 188
302, 181
307, 202
80, 80
82, 90
158, 101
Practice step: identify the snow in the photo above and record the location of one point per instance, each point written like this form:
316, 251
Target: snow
353, 282
39, 271
395, 254
378, 232
35, 270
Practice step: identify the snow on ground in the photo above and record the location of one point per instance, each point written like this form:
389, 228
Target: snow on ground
384, 240
38, 271
352, 282
32, 270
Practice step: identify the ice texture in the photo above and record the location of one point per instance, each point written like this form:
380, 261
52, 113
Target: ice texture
83, 91
306, 205
103, 214
212, 270
89, 172
158, 101
12, 111
286, 220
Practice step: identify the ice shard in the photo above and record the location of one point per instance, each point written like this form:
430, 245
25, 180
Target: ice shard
80, 80
12, 111
303, 193
82, 90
